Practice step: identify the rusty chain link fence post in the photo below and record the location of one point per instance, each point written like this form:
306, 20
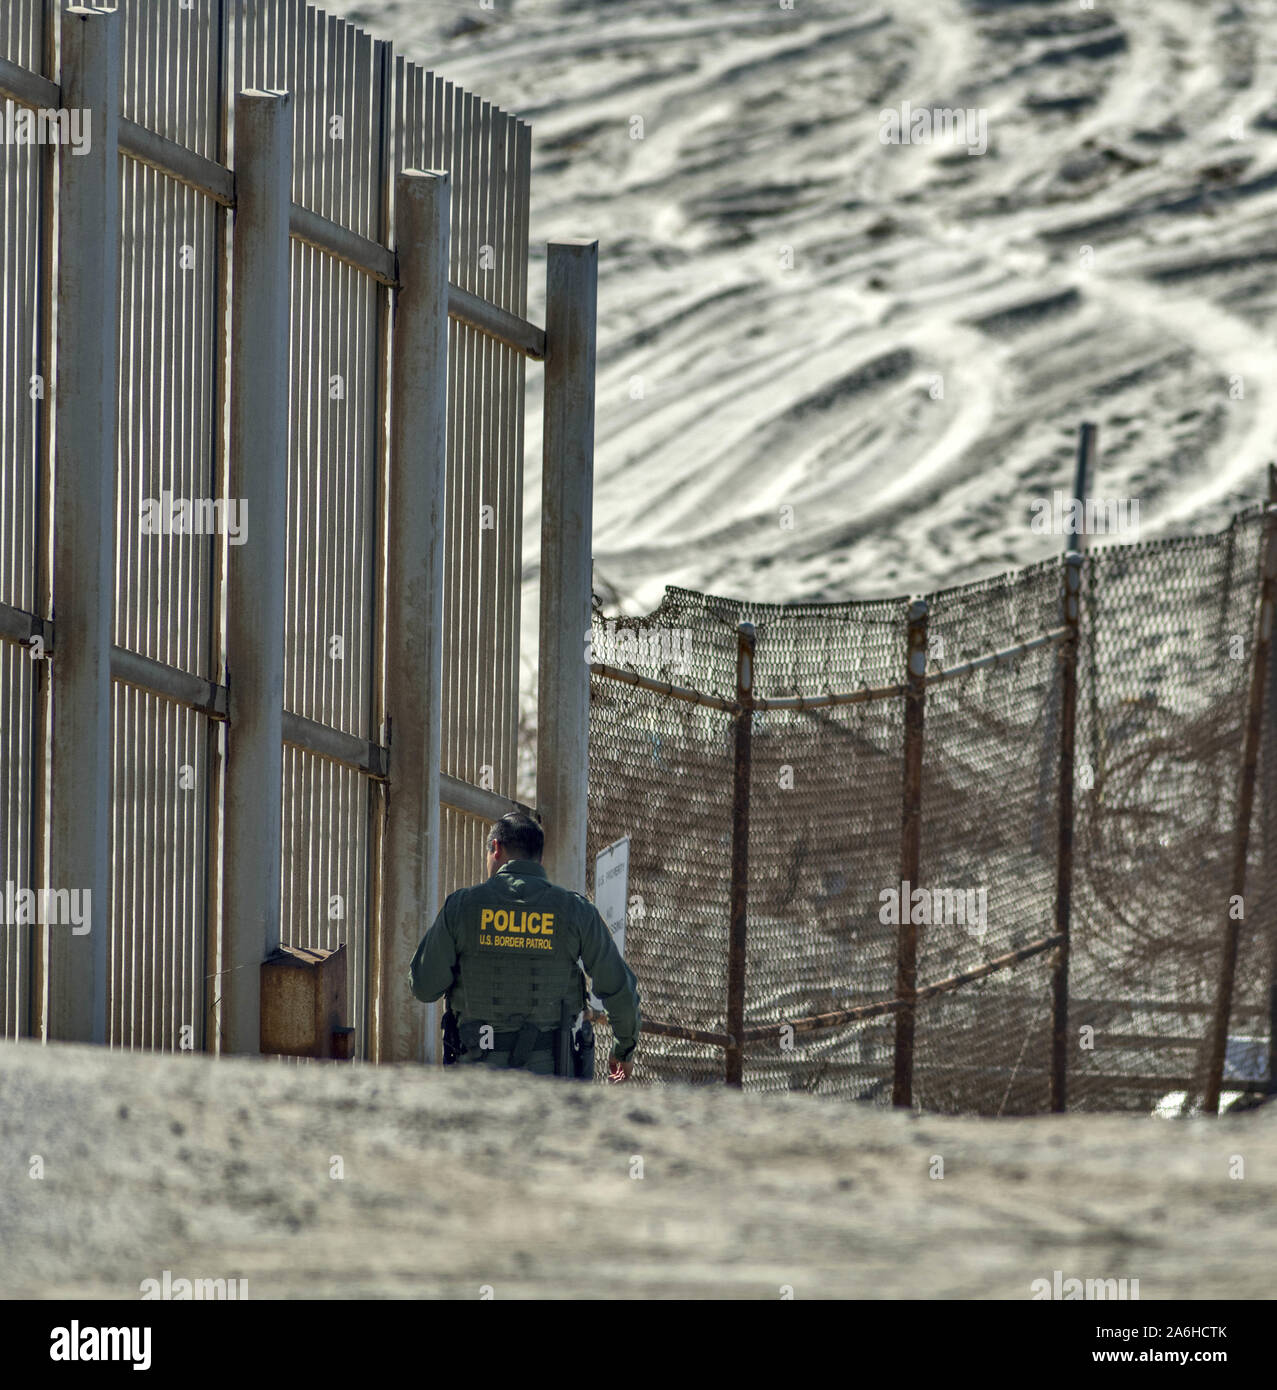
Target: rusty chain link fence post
734, 1064
1073, 563
910, 852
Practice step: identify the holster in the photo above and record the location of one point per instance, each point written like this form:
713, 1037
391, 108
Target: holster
563, 1042
574, 1053
583, 1052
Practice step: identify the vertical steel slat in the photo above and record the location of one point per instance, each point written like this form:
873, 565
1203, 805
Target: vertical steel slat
154, 997
459, 157
127, 540
348, 330
489, 751
133, 753
382, 193
508, 580
344, 337
208, 965
120, 940
175, 746
491, 280
255, 598
416, 539
519, 304
480, 687
25, 298
39, 974
505, 581
452, 577
566, 571
472, 464
87, 396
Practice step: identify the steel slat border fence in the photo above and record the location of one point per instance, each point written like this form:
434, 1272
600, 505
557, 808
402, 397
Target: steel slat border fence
361, 116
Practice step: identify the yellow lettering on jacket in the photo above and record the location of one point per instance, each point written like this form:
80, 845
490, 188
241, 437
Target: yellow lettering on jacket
503, 919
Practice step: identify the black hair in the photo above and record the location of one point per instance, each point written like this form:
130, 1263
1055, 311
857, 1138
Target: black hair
519, 835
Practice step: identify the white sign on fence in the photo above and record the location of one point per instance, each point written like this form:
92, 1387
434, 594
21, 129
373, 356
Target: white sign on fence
611, 893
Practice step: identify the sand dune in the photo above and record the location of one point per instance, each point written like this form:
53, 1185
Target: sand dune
894, 343
1111, 129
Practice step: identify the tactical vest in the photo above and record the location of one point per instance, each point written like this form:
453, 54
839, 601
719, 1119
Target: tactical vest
518, 941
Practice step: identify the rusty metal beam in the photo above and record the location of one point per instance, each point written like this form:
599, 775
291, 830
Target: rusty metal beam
734, 1062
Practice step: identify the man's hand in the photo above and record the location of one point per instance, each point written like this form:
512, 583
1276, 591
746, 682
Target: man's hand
618, 1071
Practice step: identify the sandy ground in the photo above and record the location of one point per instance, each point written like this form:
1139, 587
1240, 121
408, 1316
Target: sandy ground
224, 1170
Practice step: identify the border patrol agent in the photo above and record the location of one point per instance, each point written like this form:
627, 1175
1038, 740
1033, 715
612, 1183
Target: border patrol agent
506, 954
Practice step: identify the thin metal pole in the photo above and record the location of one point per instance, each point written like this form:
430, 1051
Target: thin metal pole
1073, 562
416, 510
86, 397
567, 501
210, 1039
382, 189
910, 853
1084, 475
1245, 803
738, 919
38, 1003
255, 572
1270, 827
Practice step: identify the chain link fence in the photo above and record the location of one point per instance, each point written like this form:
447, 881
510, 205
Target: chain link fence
1053, 946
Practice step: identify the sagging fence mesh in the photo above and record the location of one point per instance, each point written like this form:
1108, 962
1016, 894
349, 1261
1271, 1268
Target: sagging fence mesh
1162, 652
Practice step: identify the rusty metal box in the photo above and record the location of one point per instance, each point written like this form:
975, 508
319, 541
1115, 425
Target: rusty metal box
304, 1003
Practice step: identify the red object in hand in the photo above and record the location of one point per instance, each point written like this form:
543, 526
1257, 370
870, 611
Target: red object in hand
617, 1071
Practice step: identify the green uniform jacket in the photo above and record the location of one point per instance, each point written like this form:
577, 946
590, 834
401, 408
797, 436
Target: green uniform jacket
507, 950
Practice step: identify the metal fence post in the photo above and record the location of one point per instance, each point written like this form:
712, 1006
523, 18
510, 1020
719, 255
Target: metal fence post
256, 570
416, 516
1073, 562
567, 503
738, 919
215, 736
1269, 802
86, 393
1084, 474
910, 852
1245, 802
